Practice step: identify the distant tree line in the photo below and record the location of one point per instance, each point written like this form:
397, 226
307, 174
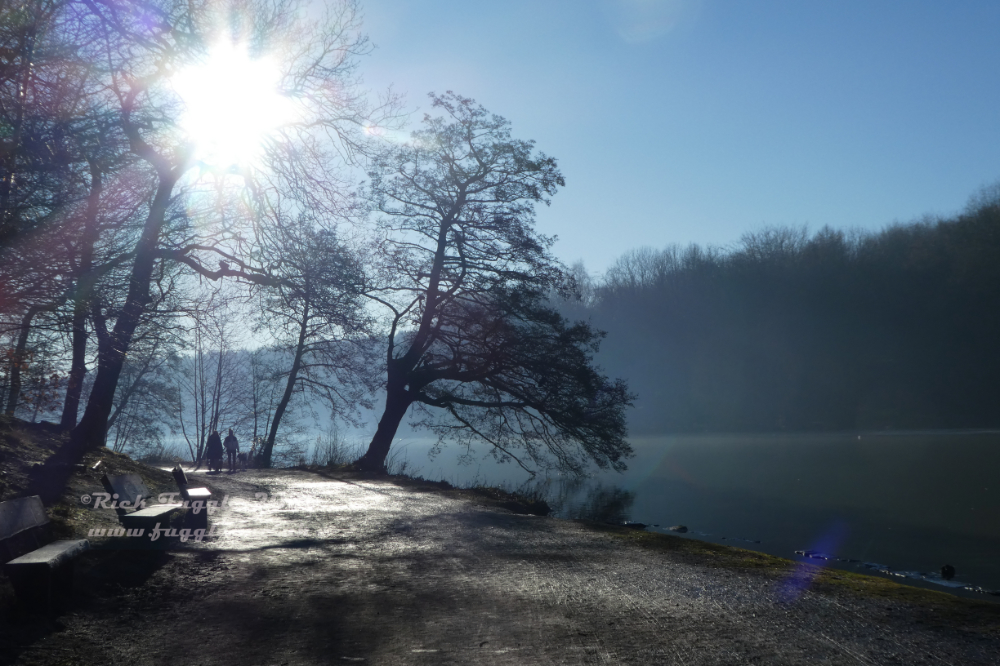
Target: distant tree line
829, 331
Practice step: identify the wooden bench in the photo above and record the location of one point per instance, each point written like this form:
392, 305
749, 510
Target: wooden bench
36, 573
130, 489
198, 512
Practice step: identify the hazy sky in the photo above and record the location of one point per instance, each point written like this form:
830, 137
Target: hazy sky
678, 121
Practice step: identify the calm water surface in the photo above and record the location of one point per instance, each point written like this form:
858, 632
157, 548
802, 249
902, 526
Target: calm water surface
910, 501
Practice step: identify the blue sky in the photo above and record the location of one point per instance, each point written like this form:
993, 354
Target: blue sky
680, 121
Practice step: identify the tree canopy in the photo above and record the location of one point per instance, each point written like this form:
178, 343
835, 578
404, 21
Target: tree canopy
466, 277
110, 207
116, 210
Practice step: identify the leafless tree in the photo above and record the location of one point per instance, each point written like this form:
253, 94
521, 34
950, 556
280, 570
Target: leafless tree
316, 319
141, 48
211, 379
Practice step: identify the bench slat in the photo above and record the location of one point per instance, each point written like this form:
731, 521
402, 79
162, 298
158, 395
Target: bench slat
146, 517
179, 476
43, 572
155, 511
129, 487
18, 515
51, 555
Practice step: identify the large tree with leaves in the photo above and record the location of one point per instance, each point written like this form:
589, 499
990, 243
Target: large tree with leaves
472, 339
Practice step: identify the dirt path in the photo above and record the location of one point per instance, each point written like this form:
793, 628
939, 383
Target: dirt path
313, 570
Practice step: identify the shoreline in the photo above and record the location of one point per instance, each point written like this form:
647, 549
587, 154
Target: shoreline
920, 580
512, 501
329, 566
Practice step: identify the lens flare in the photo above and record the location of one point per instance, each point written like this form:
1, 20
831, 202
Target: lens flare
232, 105
823, 550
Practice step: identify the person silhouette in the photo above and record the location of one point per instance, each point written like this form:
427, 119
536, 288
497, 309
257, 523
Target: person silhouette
232, 448
213, 451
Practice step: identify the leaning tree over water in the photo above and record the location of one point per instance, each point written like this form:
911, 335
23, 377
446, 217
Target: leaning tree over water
472, 340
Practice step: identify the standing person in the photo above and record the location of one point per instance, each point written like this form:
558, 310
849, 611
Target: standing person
213, 451
232, 448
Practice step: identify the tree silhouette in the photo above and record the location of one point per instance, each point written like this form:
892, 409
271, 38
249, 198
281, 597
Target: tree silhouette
314, 315
131, 52
472, 339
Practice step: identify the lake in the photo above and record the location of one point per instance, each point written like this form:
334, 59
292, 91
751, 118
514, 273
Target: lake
908, 502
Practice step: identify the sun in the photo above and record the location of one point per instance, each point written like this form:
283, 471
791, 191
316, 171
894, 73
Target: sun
232, 105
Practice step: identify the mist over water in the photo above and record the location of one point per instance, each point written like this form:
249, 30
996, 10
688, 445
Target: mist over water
912, 501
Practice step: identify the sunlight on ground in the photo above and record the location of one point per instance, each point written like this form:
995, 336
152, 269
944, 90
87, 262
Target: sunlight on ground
297, 512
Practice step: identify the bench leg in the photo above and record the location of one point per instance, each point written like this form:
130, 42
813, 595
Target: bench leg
196, 521
62, 579
33, 587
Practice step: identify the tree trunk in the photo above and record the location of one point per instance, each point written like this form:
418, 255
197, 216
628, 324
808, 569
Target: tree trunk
9, 218
397, 401
78, 366
91, 431
397, 397
293, 374
18, 361
84, 285
217, 390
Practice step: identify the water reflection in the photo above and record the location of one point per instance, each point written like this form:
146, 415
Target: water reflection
579, 499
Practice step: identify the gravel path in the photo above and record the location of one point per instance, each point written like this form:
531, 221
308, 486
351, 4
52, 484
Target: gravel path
308, 569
